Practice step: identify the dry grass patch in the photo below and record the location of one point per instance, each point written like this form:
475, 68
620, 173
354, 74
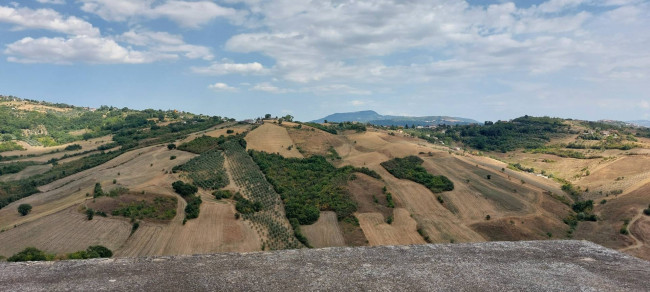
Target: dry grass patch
325, 232
402, 231
272, 138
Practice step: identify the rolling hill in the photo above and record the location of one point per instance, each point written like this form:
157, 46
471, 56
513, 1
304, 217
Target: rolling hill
374, 118
155, 182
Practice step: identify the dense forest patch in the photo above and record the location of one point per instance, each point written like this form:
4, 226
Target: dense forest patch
410, 168
308, 186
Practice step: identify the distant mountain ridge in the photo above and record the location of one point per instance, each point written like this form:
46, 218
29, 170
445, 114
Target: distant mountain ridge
374, 118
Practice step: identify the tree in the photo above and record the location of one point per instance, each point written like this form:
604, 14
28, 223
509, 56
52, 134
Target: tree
288, 118
98, 190
171, 146
267, 116
28, 254
24, 209
325, 121
90, 213
101, 251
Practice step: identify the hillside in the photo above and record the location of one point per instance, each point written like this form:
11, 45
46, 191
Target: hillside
374, 118
151, 182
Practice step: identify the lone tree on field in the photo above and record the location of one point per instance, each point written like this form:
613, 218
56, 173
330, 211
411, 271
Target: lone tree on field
24, 209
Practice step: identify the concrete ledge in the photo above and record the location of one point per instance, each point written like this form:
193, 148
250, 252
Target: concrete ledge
533, 265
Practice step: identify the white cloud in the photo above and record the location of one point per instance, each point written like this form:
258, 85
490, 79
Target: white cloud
76, 49
51, 1
268, 87
48, 19
186, 13
219, 86
165, 43
150, 47
351, 42
227, 67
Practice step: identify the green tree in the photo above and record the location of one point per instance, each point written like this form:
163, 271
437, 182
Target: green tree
28, 254
24, 209
288, 118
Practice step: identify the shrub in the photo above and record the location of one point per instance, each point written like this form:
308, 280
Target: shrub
229, 131
389, 200
184, 189
193, 207
73, 147
135, 227
487, 217
24, 209
29, 254
646, 211
90, 213
171, 146
98, 192
222, 194
172, 157
92, 252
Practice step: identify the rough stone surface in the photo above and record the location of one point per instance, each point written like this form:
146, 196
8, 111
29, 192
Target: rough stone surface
496, 266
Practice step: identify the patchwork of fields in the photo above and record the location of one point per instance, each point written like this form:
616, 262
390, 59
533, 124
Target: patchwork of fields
488, 202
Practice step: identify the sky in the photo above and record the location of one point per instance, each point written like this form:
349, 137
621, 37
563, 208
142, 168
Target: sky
480, 59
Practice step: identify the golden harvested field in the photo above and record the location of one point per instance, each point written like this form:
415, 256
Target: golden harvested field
402, 231
137, 170
64, 232
273, 139
216, 230
612, 214
313, 141
237, 129
325, 232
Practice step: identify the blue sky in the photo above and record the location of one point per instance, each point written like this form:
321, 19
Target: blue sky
481, 59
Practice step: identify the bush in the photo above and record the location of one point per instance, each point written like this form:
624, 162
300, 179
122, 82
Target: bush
172, 157
90, 213
646, 211
171, 146
184, 189
29, 254
222, 194
245, 206
92, 252
135, 227
193, 207
24, 209
73, 147
389, 200
229, 131
98, 192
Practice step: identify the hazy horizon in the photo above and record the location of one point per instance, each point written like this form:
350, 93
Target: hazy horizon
484, 60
